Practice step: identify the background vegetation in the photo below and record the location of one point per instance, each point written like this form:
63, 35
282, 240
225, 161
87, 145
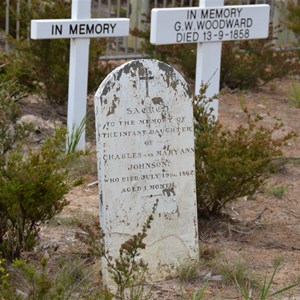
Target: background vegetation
292, 20
42, 65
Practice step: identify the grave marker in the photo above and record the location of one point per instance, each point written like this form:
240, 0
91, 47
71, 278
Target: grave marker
145, 149
79, 29
209, 25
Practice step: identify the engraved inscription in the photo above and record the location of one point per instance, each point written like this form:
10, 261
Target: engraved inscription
145, 149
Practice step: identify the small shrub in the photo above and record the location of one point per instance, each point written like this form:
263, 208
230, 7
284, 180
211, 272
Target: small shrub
32, 191
32, 183
231, 163
11, 133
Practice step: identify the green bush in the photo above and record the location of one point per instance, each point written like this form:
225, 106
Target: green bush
32, 183
43, 65
231, 163
31, 192
11, 133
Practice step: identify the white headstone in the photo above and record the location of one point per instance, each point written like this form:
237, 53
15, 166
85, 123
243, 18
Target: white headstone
79, 29
145, 148
209, 25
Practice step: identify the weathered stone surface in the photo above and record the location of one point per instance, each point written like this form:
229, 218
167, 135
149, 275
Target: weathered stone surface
145, 146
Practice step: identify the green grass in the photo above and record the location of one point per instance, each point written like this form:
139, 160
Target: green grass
294, 95
277, 191
189, 271
239, 274
265, 291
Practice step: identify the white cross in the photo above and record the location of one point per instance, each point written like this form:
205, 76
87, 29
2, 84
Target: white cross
80, 28
209, 25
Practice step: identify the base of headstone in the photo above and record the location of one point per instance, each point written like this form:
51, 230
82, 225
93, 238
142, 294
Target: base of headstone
145, 148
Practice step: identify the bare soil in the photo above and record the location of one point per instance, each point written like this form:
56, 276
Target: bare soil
261, 228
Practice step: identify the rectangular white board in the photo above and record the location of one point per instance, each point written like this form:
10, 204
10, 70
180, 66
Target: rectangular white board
55, 29
215, 24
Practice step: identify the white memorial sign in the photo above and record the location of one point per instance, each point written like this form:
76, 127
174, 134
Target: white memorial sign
145, 148
54, 29
79, 29
209, 25
194, 25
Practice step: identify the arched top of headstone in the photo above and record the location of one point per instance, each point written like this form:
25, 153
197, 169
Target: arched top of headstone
146, 78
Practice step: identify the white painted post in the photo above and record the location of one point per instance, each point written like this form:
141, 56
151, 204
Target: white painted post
7, 26
78, 73
208, 64
80, 28
18, 20
139, 10
209, 25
